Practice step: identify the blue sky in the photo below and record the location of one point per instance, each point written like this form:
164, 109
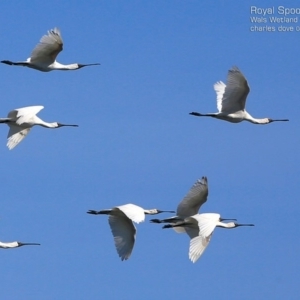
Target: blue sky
136, 143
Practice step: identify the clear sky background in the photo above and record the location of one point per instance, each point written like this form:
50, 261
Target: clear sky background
136, 143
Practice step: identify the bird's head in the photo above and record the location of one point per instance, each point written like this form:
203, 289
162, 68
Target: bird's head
79, 66
20, 244
155, 211
234, 224
278, 120
62, 125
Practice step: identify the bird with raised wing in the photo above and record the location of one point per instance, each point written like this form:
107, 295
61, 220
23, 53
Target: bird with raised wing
16, 245
21, 120
190, 204
43, 56
121, 220
231, 100
200, 228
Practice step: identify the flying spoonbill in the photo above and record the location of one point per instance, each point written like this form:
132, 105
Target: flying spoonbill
20, 121
43, 56
16, 244
200, 228
121, 220
190, 204
231, 100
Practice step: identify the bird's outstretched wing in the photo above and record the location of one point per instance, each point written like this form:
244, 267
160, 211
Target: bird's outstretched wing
192, 202
48, 48
200, 238
132, 211
22, 115
124, 232
15, 135
232, 97
197, 246
207, 223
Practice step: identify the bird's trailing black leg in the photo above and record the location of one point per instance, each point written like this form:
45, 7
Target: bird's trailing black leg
202, 115
11, 63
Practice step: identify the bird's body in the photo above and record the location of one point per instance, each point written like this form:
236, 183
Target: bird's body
43, 56
21, 120
121, 220
190, 204
231, 100
200, 228
16, 245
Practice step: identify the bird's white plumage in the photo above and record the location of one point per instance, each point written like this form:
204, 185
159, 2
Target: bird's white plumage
8, 245
192, 202
199, 228
189, 205
220, 89
231, 101
15, 135
133, 212
24, 114
18, 112
124, 233
15, 244
48, 48
121, 220
197, 246
207, 222
198, 240
121, 223
43, 56
21, 120
17, 131
232, 97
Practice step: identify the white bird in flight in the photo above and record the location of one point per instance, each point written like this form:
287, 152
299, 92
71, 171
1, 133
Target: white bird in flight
231, 100
121, 220
200, 228
16, 244
43, 56
20, 121
190, 204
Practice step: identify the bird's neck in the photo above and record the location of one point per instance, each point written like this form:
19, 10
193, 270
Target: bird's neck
226, 225
249, 118
46, 124
58, 66
150, 211
8, 245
